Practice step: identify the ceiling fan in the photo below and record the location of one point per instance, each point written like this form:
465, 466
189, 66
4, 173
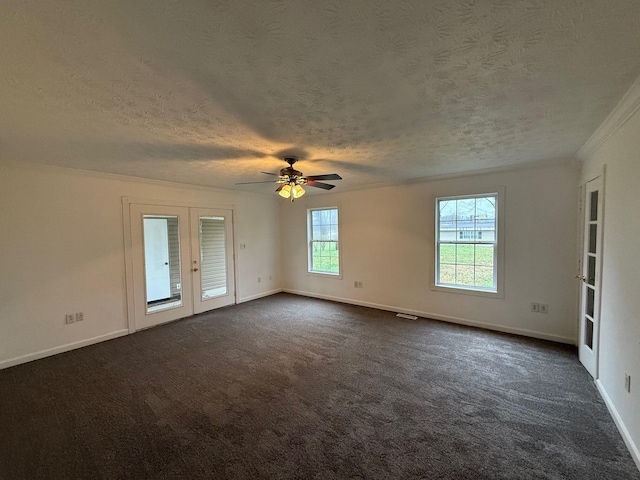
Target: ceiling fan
292, 180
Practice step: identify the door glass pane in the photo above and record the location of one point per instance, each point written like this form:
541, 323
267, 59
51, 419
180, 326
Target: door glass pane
162, 262
588, 333
590, 301
593, 230
591, 271
213, 257
593, 206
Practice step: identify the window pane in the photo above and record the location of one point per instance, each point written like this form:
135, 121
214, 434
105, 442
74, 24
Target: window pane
213, 257
334, 265
591, 273
588, 334
486, 208
333, 232
464, 275
593, 210
466, 209
593, 230
447, 274
162, 262
484, 277
447, 208
447, 254
484, 255
590, 301
465, 254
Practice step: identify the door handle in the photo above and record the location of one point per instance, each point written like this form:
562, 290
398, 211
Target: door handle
195, 269
581, 277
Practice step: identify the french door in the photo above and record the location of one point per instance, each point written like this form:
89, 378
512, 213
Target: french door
589, 335
182, 262
212, 258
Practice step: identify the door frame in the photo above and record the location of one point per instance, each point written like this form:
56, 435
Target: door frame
583, 267
128, 245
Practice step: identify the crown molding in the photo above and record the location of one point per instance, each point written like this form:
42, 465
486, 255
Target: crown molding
623, 111
27, 166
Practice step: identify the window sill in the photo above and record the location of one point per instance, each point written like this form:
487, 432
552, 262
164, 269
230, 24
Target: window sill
325, 275
467, 291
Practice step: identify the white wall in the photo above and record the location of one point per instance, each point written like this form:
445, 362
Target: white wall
62, 251
617, 144
387, 241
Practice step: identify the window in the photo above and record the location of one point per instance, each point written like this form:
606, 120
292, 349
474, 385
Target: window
324, 256
467, 246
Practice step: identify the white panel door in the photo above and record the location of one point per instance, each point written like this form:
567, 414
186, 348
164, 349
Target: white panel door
212, 258
589, 336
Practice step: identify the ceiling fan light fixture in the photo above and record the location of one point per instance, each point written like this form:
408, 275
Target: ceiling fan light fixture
297, 191
285, 191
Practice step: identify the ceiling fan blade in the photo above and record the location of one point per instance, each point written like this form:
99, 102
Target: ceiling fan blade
269, 173
328, 176
264, 181
313, 183
280, 187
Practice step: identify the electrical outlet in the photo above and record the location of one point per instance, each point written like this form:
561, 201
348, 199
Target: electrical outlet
69, 318
544, 308
627, 383
79, 317
357, 284
535, 307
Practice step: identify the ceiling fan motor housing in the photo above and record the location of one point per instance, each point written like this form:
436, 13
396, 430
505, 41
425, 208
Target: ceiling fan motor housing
290, 174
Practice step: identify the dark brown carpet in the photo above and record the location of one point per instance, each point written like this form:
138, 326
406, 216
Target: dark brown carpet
291, 387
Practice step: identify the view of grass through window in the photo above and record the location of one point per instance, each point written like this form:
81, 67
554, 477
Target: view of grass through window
466, 242
467, 265
323, 242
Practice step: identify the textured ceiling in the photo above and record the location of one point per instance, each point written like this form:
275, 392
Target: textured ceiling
213, 92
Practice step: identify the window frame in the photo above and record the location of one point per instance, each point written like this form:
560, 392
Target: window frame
498, 269
310, 242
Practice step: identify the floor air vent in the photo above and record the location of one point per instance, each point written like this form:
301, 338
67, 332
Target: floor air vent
407, 316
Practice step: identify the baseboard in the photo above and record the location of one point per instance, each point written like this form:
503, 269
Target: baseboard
260, 295
444, 318
626, 436
61, 349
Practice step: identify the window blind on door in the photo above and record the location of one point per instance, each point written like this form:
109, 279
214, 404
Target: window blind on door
174, 256
213, 258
